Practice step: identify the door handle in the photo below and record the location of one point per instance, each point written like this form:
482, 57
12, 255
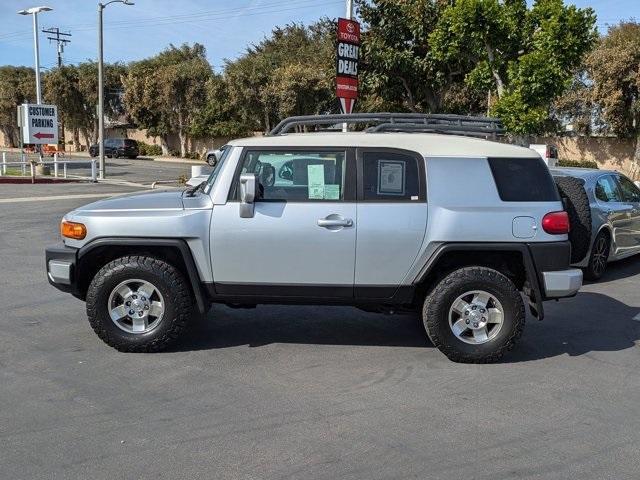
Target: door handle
335, 222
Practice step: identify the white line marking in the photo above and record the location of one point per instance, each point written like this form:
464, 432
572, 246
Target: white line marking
59, 197
637, 318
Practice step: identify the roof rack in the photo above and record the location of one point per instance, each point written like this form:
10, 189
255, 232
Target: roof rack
399, 122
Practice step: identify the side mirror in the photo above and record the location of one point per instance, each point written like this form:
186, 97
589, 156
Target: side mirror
248, 194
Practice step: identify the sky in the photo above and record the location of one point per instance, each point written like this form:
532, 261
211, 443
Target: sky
225, 28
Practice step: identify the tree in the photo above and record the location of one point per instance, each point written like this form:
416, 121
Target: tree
218, 118
613, 68
526, 56
17, 86
289, 73
74, 89
166, 93
398, 70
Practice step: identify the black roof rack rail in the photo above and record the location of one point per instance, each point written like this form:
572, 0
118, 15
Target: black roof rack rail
401, 122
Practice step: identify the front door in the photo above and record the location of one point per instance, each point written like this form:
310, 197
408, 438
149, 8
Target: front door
301, 240
610, 200
631, 198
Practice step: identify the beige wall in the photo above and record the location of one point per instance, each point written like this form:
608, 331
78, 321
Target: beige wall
609, 153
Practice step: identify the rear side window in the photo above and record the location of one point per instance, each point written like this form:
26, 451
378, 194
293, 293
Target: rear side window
523, 180
389, 176
130, 143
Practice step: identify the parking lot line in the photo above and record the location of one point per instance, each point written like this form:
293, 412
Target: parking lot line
59, 197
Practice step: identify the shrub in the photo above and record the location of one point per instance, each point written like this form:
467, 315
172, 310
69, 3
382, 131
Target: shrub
149, 150
578, 163
193, 155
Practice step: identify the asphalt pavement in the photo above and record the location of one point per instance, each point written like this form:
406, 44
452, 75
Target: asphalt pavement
305, 392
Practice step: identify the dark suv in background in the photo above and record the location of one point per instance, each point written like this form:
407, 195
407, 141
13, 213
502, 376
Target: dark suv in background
117, 147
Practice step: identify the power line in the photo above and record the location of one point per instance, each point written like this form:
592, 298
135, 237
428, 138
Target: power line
272, 7
60, 42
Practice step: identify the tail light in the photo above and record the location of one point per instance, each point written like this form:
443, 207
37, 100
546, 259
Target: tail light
556, 223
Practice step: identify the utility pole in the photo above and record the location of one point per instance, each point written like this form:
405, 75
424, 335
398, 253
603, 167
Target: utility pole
101, 7
59, 41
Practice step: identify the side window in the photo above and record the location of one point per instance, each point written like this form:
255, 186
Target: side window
298, 176
390, 176
607, 190
630, 192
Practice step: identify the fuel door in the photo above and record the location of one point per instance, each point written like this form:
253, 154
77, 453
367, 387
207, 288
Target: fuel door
524, 227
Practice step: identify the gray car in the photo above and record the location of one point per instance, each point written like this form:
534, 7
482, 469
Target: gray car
615, 214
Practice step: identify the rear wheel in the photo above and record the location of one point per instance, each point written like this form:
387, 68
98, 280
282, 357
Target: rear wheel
599, 257
138, 304
116, 154
474, 315
212, 160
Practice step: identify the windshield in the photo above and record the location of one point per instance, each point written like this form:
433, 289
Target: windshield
226, 150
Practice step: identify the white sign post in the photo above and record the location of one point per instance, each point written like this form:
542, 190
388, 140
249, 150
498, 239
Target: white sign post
39, 123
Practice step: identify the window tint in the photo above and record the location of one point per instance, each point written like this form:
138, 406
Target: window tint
607, 190
298, 176
390, 176
630, 193
523, 180
130, 143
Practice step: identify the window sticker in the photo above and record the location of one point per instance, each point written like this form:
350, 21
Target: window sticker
390, 177
315, 176
332, 192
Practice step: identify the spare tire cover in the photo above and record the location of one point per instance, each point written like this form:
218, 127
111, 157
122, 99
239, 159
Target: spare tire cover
577, 206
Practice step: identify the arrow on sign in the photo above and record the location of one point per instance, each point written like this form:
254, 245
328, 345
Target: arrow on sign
40, 135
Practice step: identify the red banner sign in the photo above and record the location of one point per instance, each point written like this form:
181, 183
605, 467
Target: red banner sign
347, 56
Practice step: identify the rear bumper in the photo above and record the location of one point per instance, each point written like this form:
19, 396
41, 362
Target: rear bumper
61, 267
562, 283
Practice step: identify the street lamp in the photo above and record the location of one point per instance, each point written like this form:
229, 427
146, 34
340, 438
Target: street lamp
101, 7
35, 11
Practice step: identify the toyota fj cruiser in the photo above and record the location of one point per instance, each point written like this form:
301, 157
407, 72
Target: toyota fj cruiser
407, 213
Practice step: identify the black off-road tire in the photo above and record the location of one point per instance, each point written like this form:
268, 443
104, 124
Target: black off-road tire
170, 282
577, 205
435, 314
601, 248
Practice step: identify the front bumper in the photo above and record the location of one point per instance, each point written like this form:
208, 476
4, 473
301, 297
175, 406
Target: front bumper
562, 283
61, 267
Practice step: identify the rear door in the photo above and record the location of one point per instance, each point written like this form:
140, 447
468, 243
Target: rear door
631, 198
301, 240
392, 219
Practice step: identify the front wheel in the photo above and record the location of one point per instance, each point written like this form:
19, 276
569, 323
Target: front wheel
212, 160
474, 315
138, 304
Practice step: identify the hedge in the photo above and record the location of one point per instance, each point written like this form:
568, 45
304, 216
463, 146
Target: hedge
578, 163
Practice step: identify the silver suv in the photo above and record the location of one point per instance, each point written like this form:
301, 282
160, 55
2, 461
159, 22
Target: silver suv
406, 214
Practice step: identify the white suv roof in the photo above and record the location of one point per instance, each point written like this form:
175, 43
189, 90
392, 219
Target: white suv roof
427, 144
